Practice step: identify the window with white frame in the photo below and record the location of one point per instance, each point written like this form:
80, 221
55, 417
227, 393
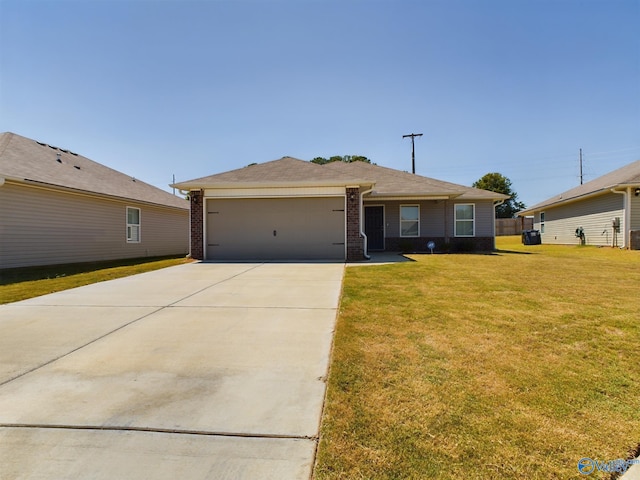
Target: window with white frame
409, 220
465, 220
541, 222
133, 225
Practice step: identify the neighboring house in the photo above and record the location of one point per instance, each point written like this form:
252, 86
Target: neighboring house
59, 207
293, 209
604, 211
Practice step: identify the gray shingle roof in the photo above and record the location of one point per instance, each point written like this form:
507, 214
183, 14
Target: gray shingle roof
291, 171
29, 161
629, 175
284, 171
394, 183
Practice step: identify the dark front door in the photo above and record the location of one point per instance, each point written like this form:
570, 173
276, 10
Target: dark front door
374, 227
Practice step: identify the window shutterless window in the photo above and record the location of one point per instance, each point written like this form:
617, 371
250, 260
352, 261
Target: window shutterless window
542, 222
133, 225
409, 220
465, 220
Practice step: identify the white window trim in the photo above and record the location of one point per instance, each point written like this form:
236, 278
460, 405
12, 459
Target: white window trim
455, 219
134, 225
400, 219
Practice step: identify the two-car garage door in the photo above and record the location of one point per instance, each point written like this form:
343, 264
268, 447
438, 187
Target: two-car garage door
275, 228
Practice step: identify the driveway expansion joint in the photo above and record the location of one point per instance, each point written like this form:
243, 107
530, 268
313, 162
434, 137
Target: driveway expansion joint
158, 308
55, 359
174, 431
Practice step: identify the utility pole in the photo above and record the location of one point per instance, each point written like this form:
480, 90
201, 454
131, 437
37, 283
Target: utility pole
581, 176
413, 150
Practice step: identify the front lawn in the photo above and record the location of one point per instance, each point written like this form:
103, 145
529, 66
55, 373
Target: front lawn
512, 365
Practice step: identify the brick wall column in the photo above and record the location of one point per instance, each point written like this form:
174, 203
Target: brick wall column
197, 227
355, 242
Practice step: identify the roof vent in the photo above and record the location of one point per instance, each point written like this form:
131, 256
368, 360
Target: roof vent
41, 143
76, 167
58, 159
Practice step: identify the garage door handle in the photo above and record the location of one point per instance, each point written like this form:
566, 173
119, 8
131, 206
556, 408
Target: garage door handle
274, 233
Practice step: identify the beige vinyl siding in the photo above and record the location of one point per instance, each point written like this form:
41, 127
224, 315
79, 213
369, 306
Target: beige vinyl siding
594, 215
635, 212
43, 226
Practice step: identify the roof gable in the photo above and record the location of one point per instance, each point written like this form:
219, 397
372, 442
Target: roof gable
629, 175
29, 161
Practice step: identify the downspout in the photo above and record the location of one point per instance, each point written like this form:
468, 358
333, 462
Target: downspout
364, 236
496, 203
627, 214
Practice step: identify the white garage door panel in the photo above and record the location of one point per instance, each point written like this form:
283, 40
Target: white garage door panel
276, 228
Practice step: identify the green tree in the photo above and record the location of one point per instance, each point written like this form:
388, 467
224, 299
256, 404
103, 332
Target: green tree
338, 158
496, 182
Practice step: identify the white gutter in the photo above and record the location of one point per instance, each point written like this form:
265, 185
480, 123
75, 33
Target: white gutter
366, 246
626, 237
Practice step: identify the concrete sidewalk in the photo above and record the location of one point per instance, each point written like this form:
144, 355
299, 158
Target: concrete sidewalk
196, 371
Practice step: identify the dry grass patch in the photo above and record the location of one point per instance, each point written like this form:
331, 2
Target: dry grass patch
513, 365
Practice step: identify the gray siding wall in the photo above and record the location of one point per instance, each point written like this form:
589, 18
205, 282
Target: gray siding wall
594, 215
42, 227
432, 217
484, 213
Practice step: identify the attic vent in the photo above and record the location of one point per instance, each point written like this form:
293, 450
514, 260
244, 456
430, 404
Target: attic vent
76, 167
58, 159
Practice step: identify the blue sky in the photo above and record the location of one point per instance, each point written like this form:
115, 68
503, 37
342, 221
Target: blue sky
192, 88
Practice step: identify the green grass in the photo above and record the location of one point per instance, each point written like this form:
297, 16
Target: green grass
512, 365
22, 283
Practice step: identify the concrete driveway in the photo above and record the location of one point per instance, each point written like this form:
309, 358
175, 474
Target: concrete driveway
197, 371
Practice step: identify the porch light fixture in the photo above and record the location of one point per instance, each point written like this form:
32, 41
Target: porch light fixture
637, 192
352, 196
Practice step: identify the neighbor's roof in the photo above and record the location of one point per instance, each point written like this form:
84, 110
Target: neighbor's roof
386, 182
627, 176
37, 163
